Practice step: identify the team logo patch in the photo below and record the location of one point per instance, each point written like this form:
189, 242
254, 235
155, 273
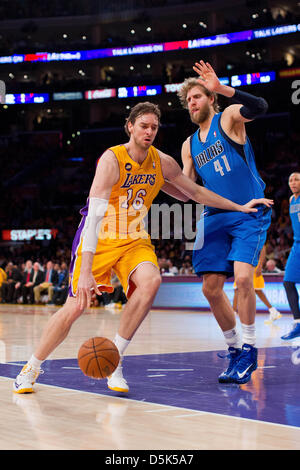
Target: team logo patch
128, 166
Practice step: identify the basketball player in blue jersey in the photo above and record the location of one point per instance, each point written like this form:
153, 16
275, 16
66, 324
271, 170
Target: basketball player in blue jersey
220, 153
292, 269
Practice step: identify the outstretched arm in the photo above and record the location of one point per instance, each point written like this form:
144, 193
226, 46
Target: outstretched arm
188, 170
173, 174
171, 190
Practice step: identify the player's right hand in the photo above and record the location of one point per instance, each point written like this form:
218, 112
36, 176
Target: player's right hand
250, 206
85, 288
207, 75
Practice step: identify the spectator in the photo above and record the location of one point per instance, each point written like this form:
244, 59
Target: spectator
25, 279
186, 268
50, 279
8, 287
172, 268
163, 265
36, 277
59, 292
3, 277
271, 267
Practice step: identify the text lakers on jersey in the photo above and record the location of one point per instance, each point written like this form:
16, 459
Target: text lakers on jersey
132, 195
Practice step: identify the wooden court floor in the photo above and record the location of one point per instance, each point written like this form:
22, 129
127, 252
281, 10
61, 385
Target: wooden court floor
175, 401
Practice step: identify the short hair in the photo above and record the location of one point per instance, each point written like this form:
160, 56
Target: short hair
140, 109
190, 83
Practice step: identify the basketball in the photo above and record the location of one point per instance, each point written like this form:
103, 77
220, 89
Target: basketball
98, 357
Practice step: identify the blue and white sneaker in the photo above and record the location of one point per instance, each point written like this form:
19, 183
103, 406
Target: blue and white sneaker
246, 364
294, 333
233, 355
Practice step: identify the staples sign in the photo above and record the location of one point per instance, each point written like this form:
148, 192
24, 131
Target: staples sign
29, 234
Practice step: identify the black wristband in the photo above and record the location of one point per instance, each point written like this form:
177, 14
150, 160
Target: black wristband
253, 106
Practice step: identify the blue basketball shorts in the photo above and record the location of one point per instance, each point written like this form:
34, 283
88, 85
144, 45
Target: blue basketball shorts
229, 237
292, 268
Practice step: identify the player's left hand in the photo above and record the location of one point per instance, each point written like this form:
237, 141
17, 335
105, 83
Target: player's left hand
250, 206
207, 75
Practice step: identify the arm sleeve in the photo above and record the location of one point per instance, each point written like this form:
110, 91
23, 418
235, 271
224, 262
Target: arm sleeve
96, 212
253, 106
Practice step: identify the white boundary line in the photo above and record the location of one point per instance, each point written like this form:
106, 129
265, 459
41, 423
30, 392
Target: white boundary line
168, 407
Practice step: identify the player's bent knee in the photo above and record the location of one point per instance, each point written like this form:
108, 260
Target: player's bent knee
244, 282
211, 291
71, 315
155, 282
152, 285
71, 311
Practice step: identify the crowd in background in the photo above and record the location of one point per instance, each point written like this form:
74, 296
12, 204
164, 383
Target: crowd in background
33, 282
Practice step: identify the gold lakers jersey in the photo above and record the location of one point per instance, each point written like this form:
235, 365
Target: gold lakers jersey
132, 196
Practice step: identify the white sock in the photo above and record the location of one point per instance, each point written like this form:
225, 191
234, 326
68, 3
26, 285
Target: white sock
121, 343
232, 338
249, 334
34, 362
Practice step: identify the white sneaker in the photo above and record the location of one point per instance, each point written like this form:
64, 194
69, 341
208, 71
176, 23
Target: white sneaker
116, 381
274, 315
26, 379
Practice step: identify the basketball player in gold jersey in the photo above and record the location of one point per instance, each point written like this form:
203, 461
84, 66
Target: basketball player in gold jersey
127, 179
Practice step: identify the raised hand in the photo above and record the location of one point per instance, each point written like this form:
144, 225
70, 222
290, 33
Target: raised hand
208, 77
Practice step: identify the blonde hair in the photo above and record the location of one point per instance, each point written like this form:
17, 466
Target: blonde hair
190, 83
140, 109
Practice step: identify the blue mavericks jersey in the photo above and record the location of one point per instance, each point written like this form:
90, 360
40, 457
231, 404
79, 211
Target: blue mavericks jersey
226, 167
292, 268
295, 217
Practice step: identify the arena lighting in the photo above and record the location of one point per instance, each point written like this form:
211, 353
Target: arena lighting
67, 96
100, 94
252, 78
174, 87
21, 98
140, 90
2, 92
210, 41
288, 73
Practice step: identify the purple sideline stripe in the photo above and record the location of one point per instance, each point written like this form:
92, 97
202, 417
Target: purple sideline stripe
272, 397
